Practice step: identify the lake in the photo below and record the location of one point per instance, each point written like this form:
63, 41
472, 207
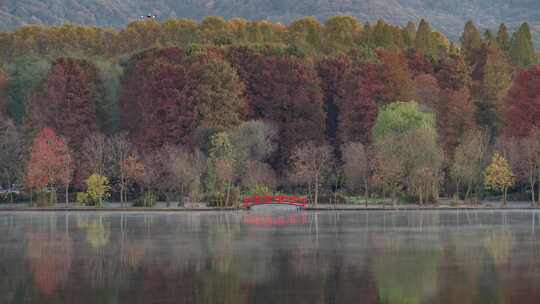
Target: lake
253, 257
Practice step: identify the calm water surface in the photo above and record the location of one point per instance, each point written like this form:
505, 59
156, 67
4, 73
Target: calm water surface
328, 257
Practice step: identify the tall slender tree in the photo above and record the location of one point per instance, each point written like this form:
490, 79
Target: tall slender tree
522, 48
503, 38
471, 41
424, 40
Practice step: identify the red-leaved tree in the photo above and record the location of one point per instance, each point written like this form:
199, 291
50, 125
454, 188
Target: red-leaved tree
333, 72
66, 101
284, 90
523, 103
50, 163
358, 108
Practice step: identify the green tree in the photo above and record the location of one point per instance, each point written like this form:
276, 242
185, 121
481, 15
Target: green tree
25, 74
407, 152
521, 47
220, 168
401, 117
409, 34
471, 41
424, 40
97, 188
489, 37
108, 108
503, 38
220, 96
215, 30
492, 79
341, 33
382, 35
306, 34
499, 176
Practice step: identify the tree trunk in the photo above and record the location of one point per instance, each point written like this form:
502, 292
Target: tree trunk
384, 195
181, 198
457, 192
504, 197
53, 195
316, 200
533, 200
468, 193
67, 196
538, 188
228, 193
122, 190
366, 193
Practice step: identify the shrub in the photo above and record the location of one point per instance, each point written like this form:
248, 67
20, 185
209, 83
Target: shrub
148, 200
45, 198
259, 190
215, 198
82, 198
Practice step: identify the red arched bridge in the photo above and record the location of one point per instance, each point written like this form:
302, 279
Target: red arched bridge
250, 201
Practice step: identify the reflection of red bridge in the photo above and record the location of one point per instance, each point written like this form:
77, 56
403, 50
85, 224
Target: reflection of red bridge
272, 220
300, 202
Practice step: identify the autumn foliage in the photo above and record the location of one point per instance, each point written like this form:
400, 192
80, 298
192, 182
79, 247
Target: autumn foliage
50, 162
66, 101
523, 103
140, 106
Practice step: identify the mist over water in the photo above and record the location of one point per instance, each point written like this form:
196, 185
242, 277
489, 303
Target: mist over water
261, 257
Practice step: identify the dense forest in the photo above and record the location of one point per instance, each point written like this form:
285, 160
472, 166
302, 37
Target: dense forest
448, 16
188, 111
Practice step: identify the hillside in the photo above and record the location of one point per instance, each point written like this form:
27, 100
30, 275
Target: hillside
448, 16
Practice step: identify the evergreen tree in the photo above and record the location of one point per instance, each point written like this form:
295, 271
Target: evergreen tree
409, 34
503, 39
341, 32
424, 40
522, 48
382, 35
491, 80
489, 37
470, 41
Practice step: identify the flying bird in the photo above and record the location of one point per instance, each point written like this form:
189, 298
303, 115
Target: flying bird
149, 16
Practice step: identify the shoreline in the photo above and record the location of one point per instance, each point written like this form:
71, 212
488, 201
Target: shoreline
308, 209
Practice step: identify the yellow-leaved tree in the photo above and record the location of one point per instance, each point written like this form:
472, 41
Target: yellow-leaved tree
98, 188
498, 175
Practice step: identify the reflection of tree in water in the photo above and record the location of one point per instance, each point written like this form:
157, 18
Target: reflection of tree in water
406, 272
101, 265
458, 279
219, 241
208, 258
97, 234
498, 244
50, 257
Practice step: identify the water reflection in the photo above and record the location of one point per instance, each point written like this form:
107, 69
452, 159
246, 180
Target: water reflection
245, 257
